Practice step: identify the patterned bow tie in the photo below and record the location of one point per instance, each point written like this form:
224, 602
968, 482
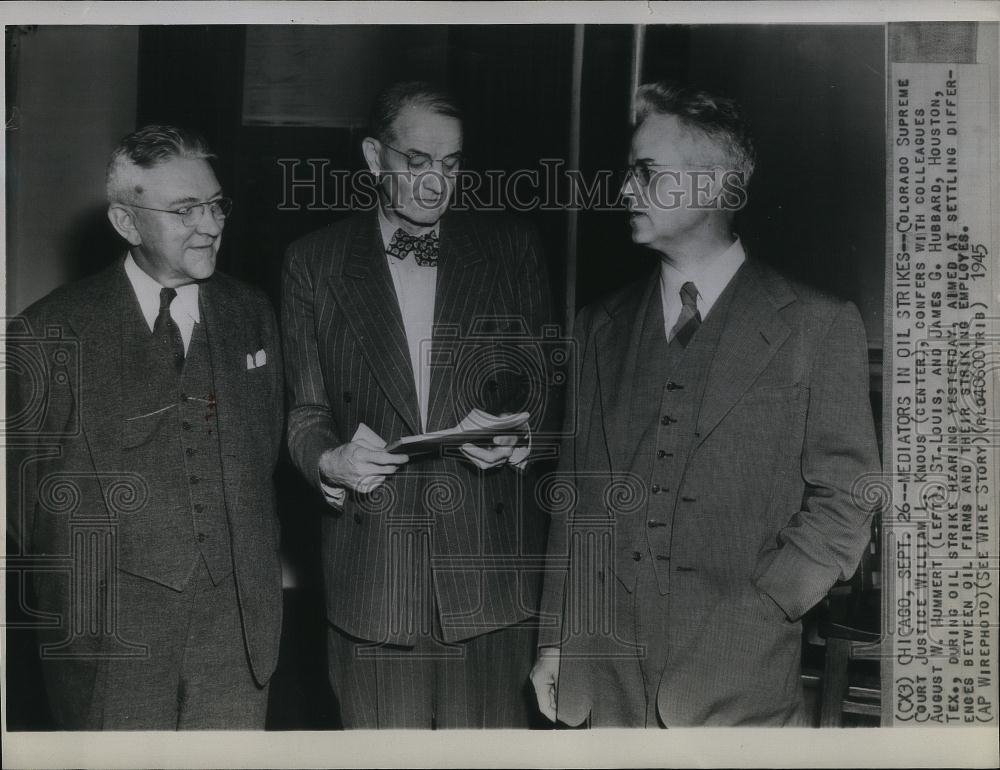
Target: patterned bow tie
424, 247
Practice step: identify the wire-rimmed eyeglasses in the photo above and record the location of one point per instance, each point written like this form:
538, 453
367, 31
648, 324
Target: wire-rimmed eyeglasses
419, 162
192, 213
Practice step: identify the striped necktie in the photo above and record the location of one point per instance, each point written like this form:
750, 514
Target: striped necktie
690, 318
166, 332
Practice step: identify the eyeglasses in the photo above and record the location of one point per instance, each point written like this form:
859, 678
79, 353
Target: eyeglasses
192, 214
419, 162
642, 171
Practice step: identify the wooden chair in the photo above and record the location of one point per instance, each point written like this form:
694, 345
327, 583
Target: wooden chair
850, 624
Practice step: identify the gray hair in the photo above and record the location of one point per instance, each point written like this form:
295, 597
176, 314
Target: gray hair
148, 147
717, 118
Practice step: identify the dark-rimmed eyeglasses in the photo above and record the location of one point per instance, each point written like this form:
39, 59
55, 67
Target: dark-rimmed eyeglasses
419, 162
192, 213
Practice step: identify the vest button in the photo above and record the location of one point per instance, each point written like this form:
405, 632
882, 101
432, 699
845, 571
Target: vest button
671, 385
186, 425
661, 453
201, 537
500, 509
656, 489
194, 479
357, 518
190, 451
636, 556
183, 396
198, 507
666, 419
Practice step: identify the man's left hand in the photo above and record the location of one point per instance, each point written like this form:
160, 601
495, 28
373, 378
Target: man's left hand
485, 458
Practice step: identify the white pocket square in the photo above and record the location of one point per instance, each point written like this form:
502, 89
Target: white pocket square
256, 360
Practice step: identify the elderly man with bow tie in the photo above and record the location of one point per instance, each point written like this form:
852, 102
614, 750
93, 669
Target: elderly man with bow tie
392, 319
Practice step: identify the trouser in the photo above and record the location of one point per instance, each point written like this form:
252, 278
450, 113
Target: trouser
623, 686
195, 672
478, 683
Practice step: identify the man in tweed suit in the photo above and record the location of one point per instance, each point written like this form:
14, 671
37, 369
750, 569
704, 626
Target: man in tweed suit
393, 321
144, 422
732, 406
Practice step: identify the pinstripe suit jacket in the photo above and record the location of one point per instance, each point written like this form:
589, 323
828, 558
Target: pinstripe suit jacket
65, 464
771, 517
437, 524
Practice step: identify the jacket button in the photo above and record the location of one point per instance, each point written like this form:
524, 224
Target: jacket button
661, 557
671, 385
656, 489
636, 556
198, 507
661, 453
666, 419
186, 425
194, 479
201, 537
190, 451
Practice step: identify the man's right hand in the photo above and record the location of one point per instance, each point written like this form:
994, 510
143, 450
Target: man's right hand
545, 678
359, 466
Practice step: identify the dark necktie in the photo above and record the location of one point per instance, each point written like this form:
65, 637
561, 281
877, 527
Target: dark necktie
690, 317
165, 331
424, 247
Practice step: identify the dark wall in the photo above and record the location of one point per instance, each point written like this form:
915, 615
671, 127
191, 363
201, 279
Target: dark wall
814, 100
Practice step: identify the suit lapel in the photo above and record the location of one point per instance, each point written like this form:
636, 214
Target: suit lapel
617, 348
364, 289
752, 334
222, 315
100, 331
464, 278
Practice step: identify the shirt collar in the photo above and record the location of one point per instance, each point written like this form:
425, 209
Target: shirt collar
388, 229
710, 276
147, 291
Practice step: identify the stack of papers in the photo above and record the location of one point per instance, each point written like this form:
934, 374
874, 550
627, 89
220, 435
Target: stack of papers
477, 428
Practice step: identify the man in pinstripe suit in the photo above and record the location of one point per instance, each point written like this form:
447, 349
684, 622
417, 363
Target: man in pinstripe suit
393, 321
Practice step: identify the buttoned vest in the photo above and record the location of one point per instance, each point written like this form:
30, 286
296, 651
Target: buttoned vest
666, 399
171, 440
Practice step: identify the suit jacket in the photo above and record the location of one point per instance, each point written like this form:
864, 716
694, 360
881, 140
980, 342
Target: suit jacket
65, 463
783, 436
437, 524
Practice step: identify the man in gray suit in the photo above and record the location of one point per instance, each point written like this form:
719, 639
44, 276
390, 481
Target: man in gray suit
396, 322
144, 423
732, 406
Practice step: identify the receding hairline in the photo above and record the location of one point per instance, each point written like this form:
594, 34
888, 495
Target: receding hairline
125, 177
147, 148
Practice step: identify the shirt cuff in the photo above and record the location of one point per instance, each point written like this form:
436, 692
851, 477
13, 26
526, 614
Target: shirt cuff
334, 495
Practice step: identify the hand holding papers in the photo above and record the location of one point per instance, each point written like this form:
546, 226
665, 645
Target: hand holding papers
479, 435
361, 465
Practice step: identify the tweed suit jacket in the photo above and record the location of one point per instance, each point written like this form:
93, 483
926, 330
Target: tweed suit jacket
767, 519
437, 524
65, 452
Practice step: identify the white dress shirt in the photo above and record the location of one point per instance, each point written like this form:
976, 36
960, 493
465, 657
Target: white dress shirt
415, 291
710, 276
184, 308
